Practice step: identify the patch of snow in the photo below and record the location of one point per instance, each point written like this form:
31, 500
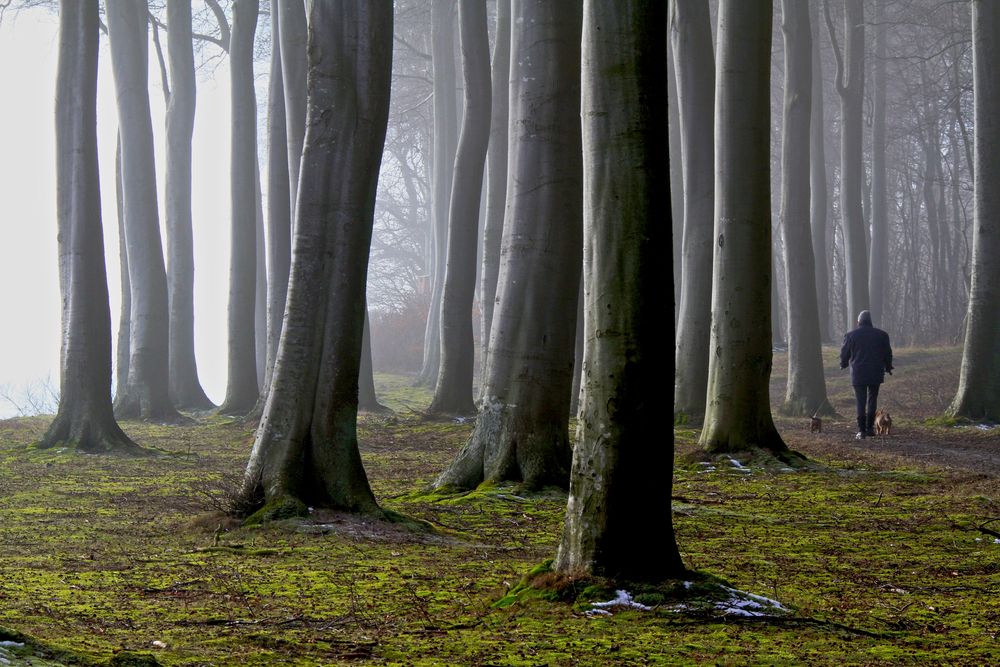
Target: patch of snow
741, 603
739, 466
996, 540
597, 612
622, 600
986, 427
10, 644
688, 584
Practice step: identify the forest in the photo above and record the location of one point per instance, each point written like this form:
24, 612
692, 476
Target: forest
380, 376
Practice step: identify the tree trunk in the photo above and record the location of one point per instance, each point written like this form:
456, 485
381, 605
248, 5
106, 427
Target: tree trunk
496, 175
618, 518
818, 190
880, 217
260, 278
453, 391
521, 431
291, 17
442, 172
85, 419
694, 57
738, 413
676, 173
367, 398
806, 390
306, 451
851, 87
147, 393
185, 389
242, 389
978, 395
125, 316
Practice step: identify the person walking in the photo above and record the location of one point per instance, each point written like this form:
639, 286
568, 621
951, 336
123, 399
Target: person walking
867, 351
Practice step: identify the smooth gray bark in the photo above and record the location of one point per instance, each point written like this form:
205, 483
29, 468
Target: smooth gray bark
442, 173
694, 58
306, 450
738, 410
291, 18
496, 175
618, 518
367, 397
676, 174
521, 431
85, 419
879, 257
185, 389
818, 188
805, 392
453, 390
978, 395
242, 388
147, 393
125, 315
260, 280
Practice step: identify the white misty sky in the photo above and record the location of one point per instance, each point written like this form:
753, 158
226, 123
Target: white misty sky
30, 329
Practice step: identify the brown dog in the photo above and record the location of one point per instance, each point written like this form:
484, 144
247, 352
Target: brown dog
816, 425
883, 423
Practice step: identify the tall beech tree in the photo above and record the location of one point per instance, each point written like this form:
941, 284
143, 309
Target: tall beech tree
306, 451
521, 430
85, 419
618, 518
694, 55
291, 17
805, 392
738, 410
185, 389
146, 393
879, 255
453, 390
818, 190
978, 395
241, 389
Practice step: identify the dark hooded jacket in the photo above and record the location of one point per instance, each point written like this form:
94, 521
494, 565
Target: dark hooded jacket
867, 351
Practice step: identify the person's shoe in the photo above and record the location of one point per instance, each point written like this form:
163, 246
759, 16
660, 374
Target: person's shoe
861, 435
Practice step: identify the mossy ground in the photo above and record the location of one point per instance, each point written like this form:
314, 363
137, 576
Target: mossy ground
882, 558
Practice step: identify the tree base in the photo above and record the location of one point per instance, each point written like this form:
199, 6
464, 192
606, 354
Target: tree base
90, 436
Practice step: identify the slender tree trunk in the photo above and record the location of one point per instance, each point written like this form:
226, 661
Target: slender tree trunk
453, 391
738, 411
147, 393
125, 316
521, 431
260, 279
85, 419
978, 395
880, 216
291, 16
694, 58
621, 482
818, 189
306, 451
806, 389
242, 389
676, 172
185, 389
574, 396
367, 398
496, 175
851, 87
442, 172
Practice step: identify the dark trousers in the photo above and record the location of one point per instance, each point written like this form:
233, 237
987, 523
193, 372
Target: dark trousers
867, 400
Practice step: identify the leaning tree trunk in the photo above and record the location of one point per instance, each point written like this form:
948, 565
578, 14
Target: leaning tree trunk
185, 389
691, 34
147, 392
242, 389
978, 394
879, 258
496, 176
85, 419
306, 449
738, 413
521, 431
442, 173
818, 197
453, 391
806, 388
851, 87
618, 519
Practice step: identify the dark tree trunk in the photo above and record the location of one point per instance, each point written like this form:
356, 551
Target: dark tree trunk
621, 481
496, 175
818, 190
85, 419
306, 450
147, 393
291, 16
738, 410
453, 390
806, 388
880, 218
185, 390
242, 389
694, 57
367, 398
521, 431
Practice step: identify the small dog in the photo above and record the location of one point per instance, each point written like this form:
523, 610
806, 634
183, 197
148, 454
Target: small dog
883, 423
815, 424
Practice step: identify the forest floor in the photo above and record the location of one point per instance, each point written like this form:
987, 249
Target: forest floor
884, 551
